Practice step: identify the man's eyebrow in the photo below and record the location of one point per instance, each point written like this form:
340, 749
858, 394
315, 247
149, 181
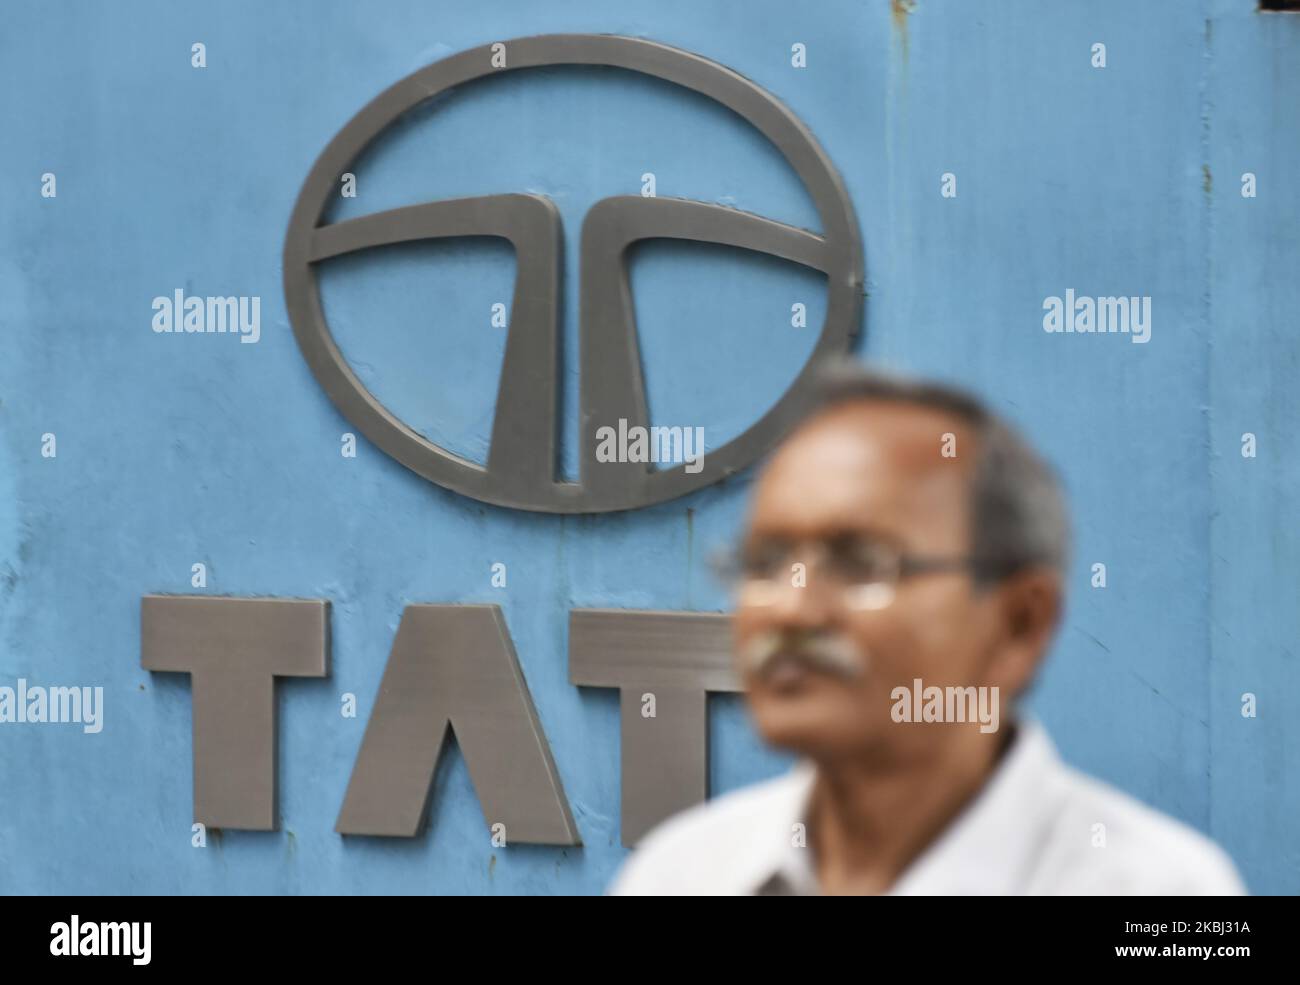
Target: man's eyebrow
837, 533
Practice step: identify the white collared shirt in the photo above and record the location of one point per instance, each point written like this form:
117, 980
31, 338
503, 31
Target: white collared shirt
1038, 827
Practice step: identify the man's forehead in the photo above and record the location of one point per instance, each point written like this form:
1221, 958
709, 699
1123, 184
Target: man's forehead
882, 452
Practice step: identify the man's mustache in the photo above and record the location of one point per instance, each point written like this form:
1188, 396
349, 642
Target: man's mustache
831, 652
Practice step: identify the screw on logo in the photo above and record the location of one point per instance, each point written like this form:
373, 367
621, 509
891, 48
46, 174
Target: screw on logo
520, 471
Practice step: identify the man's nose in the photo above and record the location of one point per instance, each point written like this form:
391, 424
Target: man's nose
802, 599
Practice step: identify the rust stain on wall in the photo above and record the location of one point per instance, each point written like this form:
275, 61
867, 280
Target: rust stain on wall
898, 14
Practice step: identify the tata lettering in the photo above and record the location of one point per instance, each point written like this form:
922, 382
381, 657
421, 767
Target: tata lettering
450, 666
453, 665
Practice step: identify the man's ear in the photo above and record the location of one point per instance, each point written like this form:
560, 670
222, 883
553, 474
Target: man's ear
1029, 605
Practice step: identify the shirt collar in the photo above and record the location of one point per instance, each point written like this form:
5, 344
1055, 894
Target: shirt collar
988, 849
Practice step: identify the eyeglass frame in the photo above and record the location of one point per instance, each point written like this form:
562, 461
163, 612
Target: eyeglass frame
731, 565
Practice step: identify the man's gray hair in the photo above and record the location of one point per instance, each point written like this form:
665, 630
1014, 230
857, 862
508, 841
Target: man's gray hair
1018, 513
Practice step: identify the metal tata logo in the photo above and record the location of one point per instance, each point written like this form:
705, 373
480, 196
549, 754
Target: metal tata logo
454, 667
520, 470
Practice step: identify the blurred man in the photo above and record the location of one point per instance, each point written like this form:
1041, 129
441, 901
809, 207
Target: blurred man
900, 581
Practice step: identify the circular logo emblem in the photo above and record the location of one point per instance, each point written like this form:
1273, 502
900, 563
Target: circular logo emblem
520, 471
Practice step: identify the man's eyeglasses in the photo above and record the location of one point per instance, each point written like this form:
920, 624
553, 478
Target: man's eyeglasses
865, 572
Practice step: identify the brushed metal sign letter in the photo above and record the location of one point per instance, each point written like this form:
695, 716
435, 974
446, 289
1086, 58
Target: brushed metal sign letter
455, 665
678, 657
233, 649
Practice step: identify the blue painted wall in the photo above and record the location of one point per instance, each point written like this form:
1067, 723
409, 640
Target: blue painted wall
181, 449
